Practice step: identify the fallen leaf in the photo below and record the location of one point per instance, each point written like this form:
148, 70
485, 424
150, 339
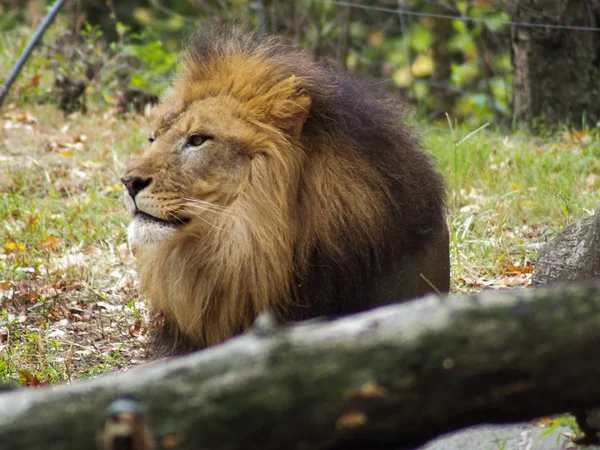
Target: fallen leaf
135, 329
67, 154
470, 283
517, 270
35, 80
31, 222
29, 379
49, 243
31, 297
582, 137
92, 251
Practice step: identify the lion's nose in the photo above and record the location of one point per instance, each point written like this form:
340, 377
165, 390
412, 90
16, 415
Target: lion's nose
135, 184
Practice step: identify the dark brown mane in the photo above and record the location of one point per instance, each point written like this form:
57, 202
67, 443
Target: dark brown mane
350, 108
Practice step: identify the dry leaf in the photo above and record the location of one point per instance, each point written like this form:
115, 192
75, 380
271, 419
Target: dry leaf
31, 297
135, 329
67, 154
35, 80
517, 270
49, 243
470, 283
581, 137
31, 222
29, 379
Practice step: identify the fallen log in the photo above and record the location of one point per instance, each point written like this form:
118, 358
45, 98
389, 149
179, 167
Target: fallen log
389, 378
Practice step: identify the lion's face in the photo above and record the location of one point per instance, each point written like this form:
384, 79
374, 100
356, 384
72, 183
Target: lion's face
194, 169
213, 139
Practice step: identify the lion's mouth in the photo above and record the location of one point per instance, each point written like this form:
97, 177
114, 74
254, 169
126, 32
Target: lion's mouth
144, 216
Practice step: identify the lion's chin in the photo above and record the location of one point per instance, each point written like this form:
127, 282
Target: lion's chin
145, 232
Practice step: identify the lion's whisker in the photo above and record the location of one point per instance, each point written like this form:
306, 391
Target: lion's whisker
202, 208
206, 208
174, 218
204, 202
199, 216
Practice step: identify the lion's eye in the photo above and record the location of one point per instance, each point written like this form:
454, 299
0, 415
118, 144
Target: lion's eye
151, 139
197, 140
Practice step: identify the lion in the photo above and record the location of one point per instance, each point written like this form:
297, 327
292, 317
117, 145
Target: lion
273, 182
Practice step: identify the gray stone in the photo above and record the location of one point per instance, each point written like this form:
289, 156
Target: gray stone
523, 436
573, 254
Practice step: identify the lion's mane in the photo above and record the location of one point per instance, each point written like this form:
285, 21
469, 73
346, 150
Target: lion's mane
340, 212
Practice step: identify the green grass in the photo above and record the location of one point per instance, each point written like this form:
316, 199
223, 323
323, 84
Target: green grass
509, 193
67, 289
63, 246
63, 240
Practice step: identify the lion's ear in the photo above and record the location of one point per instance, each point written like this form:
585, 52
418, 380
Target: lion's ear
291, 106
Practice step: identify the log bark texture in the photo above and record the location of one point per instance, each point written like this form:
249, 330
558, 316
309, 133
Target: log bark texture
389, 378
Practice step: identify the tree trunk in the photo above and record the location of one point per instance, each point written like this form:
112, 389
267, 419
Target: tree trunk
556, 71
389, 378
443, 31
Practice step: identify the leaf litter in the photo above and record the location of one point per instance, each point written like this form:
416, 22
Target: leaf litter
69, 302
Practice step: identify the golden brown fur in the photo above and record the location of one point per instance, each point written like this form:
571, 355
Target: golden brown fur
306, 196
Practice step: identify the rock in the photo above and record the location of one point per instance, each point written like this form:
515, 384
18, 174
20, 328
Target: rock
573, 254
519, 436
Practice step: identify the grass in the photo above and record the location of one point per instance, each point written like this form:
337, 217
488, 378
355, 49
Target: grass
510, 193
69, 305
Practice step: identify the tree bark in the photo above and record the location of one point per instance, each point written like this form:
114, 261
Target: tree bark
389, 378
443, 30
556, 71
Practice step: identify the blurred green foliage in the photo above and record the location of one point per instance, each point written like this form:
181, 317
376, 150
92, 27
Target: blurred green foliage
443, 66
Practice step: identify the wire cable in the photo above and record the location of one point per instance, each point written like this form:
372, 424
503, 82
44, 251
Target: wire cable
453, 17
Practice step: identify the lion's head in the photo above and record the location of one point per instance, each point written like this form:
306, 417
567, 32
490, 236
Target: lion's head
270, 180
